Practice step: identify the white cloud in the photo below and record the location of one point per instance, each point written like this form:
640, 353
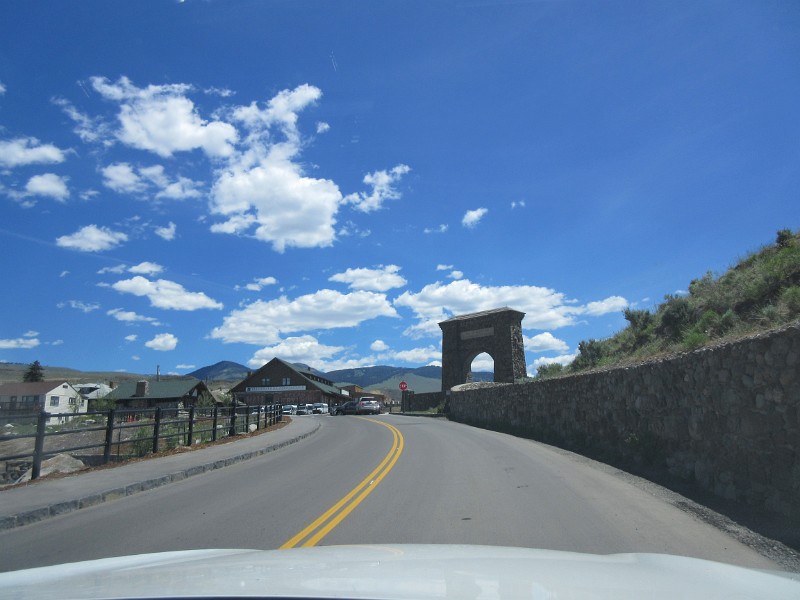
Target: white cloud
418, 355
520, 204
440, 229
161, 119
322, 127
131, 338
281, 110
49, 185
163, 342
19, 344
456, 275
544, 308
117, 269
178, 189
85, 307
287, 208
146, 268
124, 179
262, 322
383, 189
88, 129
258, 284
563, 359
378, 346
92, 238
544, 342
128, 316
121, 177
168, 232
222, 93
2, 88
473, 217
28, 151
443, 267
378, 280
305, 349
482, 363
166, 294
609, 305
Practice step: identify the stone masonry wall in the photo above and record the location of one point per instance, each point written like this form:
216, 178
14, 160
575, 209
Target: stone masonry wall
727, 417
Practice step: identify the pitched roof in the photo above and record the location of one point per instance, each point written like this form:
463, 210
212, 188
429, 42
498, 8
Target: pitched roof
31, 388
156, 390
311, 378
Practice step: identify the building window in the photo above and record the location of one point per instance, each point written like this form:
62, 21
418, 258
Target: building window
54, 400
265, 381
287, 381
72, 402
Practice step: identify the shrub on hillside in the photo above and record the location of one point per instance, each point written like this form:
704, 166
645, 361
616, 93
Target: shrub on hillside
762, 291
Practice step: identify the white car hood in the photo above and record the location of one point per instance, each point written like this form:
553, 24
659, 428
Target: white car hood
396, 571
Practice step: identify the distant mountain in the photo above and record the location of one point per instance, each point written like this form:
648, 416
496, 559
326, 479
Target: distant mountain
224, 370
387, 379
366, 376
14, 372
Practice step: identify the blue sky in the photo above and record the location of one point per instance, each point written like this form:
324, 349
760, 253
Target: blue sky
188, 182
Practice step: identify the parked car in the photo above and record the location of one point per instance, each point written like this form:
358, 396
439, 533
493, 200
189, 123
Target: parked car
304, 409
348, 408
320, 408
368, 406
289, 409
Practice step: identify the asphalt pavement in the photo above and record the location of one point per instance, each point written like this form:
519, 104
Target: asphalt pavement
50, 497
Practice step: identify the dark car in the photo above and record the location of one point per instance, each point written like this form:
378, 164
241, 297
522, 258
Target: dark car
348, 408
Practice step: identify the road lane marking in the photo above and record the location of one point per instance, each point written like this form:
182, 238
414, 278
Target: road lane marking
326, 522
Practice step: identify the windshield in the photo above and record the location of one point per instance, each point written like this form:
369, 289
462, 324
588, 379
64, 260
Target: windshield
498, 273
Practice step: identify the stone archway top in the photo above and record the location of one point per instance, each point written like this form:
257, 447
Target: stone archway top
483, 313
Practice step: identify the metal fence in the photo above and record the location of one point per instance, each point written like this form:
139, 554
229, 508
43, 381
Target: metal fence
100, 437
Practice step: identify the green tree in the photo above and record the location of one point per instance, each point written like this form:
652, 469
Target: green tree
550, 370
676, 317
205, 400
589, 355
784, 238
641, 322
35, 372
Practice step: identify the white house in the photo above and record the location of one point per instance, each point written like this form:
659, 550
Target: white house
54, 397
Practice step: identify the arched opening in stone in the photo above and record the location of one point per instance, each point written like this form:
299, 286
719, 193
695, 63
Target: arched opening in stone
478, 367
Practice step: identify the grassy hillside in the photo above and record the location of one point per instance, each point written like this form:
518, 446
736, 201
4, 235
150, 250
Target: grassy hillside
14, 372
760, 292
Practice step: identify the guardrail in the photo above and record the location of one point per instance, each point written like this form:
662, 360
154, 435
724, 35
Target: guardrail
137, 431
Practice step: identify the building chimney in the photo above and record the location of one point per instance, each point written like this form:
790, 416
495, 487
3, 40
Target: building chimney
141, 388
158, 372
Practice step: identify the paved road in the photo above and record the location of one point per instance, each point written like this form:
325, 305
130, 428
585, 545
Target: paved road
402, 479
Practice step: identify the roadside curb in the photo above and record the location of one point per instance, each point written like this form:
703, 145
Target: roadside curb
66, 506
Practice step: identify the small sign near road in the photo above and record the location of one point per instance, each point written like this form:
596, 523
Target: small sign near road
403, 386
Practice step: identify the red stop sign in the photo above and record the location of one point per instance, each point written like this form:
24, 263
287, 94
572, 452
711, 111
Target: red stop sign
403, 386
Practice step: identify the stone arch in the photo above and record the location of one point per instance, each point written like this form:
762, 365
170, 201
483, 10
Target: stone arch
497, 332
470, 358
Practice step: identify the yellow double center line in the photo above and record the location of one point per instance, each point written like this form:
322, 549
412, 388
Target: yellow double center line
339, 511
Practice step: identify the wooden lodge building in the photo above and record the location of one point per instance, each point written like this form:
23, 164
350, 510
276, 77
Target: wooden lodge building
279, 382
